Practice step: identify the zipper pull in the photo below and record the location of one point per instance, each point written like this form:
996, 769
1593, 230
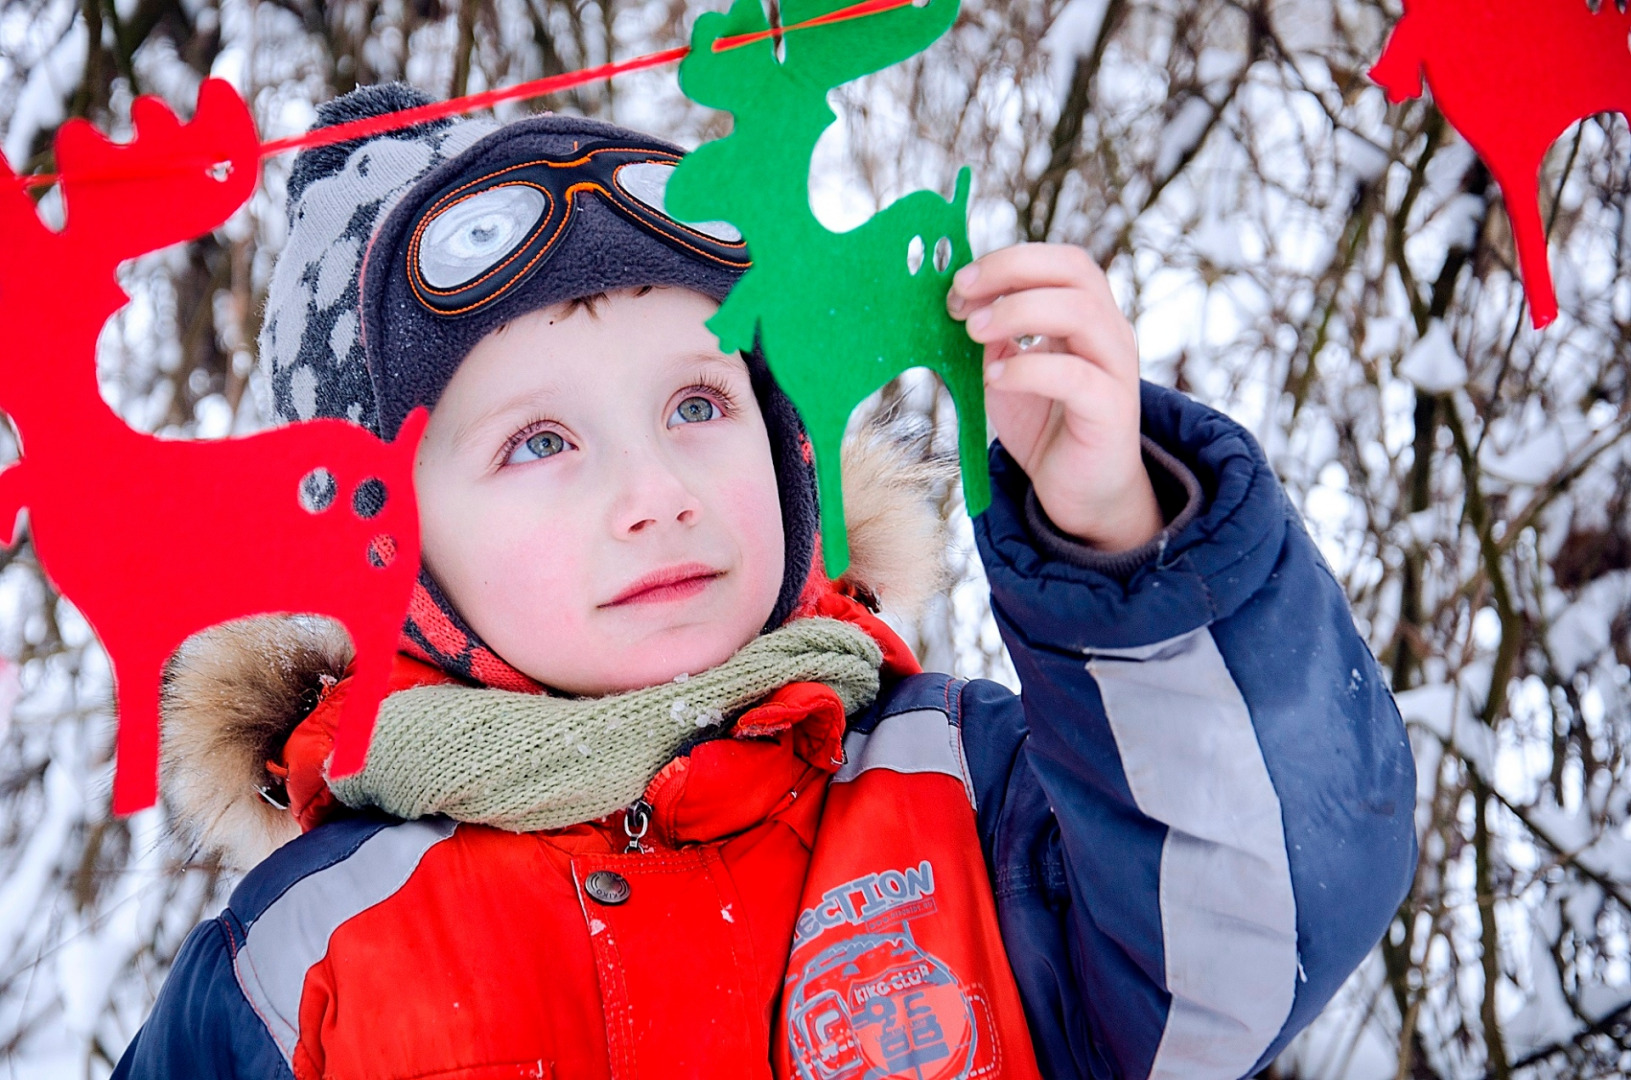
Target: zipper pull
636, 820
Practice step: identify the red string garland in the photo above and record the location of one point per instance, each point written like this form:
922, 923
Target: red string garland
437, 110
553, 84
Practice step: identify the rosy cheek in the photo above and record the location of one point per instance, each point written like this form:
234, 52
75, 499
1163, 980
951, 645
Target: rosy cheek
520, 574
526, 573
755, 511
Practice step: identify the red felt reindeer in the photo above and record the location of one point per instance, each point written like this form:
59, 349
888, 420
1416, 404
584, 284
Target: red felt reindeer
1512, 75
154, 540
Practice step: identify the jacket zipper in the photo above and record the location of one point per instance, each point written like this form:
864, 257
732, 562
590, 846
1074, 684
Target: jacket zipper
636, 820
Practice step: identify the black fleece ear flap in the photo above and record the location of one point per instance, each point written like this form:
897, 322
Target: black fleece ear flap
795, 481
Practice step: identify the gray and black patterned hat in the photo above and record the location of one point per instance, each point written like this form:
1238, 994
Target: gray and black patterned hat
311, 350
346, 337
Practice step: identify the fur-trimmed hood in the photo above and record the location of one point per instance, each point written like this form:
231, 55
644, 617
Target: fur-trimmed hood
234, 693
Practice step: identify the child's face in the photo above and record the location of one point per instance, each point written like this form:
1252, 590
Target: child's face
597, 495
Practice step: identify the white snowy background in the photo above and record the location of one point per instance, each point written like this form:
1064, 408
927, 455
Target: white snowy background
1335, 273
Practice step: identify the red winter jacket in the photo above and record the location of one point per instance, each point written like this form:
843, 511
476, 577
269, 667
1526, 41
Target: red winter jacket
772, 925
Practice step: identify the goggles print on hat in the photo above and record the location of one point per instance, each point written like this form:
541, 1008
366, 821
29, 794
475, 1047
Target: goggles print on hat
483, 237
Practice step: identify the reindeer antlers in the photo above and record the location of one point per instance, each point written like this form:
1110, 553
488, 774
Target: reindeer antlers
174, 180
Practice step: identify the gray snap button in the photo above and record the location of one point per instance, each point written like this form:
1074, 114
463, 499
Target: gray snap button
606, 887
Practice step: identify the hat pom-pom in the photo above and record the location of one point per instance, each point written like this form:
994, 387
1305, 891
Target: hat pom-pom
359, 104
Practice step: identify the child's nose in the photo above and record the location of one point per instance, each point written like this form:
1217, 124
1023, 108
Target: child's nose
684, 517
652, 495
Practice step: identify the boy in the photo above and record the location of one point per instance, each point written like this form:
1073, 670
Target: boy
655, 798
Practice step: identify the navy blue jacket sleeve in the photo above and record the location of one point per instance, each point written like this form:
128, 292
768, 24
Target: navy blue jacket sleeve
202, 1027
1199, 816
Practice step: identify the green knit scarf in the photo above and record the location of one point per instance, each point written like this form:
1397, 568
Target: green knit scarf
524, 762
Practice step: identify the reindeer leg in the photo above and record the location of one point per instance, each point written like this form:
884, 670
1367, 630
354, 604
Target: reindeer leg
830, 495
375, 644
13, 497
966, 384
1520, 187
973, 448
136, 771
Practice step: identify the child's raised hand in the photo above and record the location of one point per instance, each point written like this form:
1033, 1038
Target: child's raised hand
1067, 406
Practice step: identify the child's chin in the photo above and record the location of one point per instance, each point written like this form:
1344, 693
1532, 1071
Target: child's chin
667, 661
618, 663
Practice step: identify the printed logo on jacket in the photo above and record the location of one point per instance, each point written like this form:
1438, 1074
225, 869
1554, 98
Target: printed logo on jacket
897, 966
870, 1002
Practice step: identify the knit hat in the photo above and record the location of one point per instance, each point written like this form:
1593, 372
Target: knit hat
345, 335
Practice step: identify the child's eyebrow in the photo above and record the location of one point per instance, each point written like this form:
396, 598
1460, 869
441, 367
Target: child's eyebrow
532, 401
709, 359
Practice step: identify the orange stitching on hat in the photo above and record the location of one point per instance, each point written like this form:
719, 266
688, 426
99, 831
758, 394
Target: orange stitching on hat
545, 250
666, 216
418, 235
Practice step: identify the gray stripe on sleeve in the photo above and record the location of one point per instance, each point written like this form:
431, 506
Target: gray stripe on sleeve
1228, 914
923, 740
293, 933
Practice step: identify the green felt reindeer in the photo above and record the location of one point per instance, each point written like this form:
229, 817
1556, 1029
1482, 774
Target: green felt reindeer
837, 314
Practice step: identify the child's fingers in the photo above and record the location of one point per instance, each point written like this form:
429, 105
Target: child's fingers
1023, 266
1085, 326
1087, 390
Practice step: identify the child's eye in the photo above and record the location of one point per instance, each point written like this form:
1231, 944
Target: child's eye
538, 445
694, 410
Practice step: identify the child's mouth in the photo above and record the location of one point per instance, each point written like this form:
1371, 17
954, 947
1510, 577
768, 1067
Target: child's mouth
673, 583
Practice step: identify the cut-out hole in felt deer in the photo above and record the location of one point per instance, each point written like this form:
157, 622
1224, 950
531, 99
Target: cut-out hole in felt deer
153, 540
1511, 76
